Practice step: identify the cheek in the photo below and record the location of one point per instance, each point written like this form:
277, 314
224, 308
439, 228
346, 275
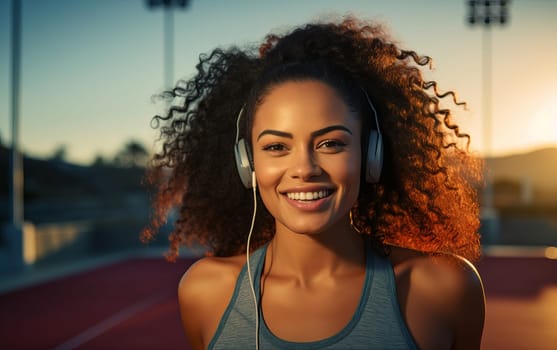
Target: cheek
267, 170
347, 173
268, 179
346, 169
268, 176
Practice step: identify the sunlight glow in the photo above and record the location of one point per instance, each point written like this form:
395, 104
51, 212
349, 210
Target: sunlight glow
542, 127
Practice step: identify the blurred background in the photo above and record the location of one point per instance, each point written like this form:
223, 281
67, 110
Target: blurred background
76, 85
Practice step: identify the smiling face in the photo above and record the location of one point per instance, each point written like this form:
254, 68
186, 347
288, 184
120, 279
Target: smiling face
307, 156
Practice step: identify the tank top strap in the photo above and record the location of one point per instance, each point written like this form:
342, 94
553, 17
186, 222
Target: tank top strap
382, 314
236, 329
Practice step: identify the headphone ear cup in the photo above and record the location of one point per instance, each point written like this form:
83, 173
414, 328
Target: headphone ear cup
374, 162
243, 164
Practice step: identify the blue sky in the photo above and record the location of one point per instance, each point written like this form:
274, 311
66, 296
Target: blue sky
89, 68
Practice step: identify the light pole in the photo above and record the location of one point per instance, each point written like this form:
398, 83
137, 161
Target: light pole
11, 240
16, 164
168, 5
487, 13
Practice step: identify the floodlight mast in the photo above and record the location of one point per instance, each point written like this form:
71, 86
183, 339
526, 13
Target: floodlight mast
16, 161
488, 13
168, 6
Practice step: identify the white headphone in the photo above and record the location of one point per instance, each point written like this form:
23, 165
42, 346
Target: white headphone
374, 161
242, 157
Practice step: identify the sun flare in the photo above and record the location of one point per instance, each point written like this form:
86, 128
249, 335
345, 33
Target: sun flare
542, 129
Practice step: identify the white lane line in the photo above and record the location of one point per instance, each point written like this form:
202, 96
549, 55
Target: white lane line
110, 322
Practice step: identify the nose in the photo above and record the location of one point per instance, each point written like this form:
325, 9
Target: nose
304, 165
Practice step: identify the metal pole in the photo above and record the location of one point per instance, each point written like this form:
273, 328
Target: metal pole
11, 254
168, 6
487, 13
16, 163
487, 112
168, 47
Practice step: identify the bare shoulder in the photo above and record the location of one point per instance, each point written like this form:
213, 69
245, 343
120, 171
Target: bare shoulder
204, 292
449, 271
449, 289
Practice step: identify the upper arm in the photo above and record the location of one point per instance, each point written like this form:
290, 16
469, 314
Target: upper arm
189, 298
203, 294
441, 299
469, 311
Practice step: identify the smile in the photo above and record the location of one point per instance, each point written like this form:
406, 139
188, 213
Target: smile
308, 196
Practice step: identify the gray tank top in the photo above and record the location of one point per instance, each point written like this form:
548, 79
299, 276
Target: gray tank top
376, 324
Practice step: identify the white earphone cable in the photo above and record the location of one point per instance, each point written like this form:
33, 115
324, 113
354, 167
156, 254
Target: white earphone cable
251, 284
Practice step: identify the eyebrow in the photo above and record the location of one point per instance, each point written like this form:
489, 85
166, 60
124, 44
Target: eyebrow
316, 133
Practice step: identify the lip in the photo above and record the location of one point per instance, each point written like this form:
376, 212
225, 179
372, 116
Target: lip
313, 205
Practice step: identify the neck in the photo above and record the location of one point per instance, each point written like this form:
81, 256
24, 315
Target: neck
307, 257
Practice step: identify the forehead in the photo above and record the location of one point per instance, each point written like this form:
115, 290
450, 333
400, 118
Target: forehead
302, 104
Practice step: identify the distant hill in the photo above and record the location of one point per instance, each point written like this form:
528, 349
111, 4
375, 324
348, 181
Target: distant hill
53, 179
539, 166
48, 183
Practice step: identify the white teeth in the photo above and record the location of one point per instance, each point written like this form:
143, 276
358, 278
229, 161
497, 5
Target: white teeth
307, 196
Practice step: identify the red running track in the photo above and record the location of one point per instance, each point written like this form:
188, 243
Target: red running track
126, 305
132, 305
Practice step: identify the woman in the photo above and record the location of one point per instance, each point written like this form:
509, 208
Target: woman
366, 198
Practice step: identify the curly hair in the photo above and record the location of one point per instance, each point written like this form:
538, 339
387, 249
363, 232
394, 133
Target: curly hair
426, 199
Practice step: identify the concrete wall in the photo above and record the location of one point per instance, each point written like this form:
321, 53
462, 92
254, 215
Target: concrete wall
47, 243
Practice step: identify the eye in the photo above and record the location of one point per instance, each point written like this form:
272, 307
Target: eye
331, 146
275, 148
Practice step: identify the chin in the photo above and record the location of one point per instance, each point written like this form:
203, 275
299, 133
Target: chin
307, 228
